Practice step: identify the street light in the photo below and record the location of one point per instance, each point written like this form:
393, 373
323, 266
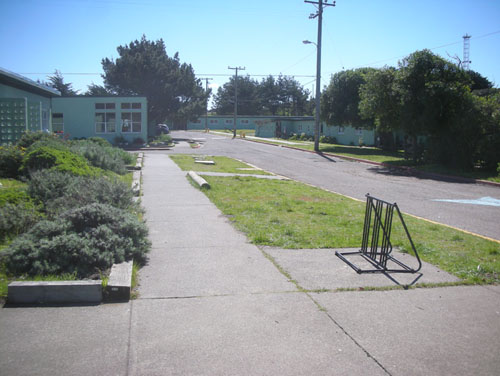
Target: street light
318, 93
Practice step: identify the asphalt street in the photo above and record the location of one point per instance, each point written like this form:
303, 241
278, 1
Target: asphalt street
472, 206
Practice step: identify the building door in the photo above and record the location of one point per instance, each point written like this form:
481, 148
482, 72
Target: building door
277, 133
45, 120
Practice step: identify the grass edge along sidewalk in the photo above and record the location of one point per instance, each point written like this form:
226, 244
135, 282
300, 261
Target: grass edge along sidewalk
290, 214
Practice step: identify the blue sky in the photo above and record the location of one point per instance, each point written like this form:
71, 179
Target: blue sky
39, 36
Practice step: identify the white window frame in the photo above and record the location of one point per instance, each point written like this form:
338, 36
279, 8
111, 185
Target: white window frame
107, 124
359, 131
341, 130
130, 123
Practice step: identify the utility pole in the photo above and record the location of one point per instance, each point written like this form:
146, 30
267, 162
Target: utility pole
206, 109
235, 97
319, 15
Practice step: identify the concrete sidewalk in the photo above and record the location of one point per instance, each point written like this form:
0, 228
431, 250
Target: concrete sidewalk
212, 304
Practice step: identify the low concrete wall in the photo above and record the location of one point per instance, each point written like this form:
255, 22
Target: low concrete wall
55, 292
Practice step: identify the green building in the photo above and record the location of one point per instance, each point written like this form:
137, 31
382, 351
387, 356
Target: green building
285, 126
116, 119
26, 105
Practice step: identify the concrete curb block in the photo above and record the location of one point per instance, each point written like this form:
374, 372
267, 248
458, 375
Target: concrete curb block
136, 182
57, 292
136, 179
198, 179
119, 283
74, 292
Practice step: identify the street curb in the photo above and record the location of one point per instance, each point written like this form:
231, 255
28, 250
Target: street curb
410, 170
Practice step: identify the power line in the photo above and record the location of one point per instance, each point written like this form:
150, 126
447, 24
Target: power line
197, 75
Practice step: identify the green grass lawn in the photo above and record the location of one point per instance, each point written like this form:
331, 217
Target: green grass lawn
289, 214
222, 164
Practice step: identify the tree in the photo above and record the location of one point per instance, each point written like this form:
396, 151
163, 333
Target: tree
144, 68
292, 97
379, 104
479, 82
434, 100
97, 90
488, 148
340, 100
57, 82
271, 96
248, 98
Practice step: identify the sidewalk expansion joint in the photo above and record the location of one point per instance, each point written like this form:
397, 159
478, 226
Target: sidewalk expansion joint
325, 311
219, 295
129, 339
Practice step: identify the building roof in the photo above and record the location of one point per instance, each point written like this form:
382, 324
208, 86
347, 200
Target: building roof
20, 82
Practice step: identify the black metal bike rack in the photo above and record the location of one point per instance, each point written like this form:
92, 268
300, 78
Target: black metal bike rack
376, 247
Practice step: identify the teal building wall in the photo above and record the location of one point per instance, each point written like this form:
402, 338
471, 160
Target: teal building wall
23, 110
111, 118
223, 122
285, 126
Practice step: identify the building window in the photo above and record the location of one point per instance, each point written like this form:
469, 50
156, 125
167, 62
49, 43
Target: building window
105, 122
341, 130
58, 123
229, 121
131, 122
359, 131
214, 121
104, 106
133, 106
244, 122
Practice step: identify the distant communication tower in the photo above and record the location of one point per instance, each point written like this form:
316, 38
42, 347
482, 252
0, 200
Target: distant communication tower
466, 58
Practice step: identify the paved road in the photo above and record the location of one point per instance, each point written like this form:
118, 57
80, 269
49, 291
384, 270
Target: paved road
414, 195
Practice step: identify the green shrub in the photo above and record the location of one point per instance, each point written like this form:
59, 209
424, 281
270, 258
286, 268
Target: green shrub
83, 241
327, 140
11, 158
47, 185
104, 157
13, 196
45, 157
100, 141
60, 192
29, 138
16, 219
